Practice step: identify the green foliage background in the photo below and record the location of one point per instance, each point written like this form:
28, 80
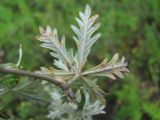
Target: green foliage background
131, 28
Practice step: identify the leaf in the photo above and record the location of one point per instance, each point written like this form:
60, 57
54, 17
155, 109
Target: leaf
85, 36
20, 56
3, 89
22, 85
82, 101
94, 90
50, 40
5, 100
35, 97
70, 111
114, 59
61, 65
12, 65
109, 69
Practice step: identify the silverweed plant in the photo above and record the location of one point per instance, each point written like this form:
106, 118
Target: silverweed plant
69, 64
69, 69
85, 98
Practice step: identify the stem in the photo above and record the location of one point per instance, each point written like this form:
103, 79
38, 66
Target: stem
61, 84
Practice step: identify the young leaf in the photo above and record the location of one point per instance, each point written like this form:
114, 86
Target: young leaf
20, 56
94, 91
70, 111
50, 40
109, 69
85, 36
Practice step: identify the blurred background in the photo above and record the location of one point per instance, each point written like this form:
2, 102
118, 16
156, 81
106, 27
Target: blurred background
129, 27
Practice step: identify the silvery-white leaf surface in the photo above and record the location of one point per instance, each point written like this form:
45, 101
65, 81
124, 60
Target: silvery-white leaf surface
69, 111
51, 41
109, 69
85, 34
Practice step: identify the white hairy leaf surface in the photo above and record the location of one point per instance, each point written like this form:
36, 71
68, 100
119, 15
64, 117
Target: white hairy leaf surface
20, 55
50, 40
94, 90
85, 36
70, 111
109, 69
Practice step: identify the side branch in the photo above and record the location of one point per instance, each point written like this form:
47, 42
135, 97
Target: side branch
34, 75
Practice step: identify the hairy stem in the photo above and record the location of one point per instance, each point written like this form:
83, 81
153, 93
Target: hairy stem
4, 70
